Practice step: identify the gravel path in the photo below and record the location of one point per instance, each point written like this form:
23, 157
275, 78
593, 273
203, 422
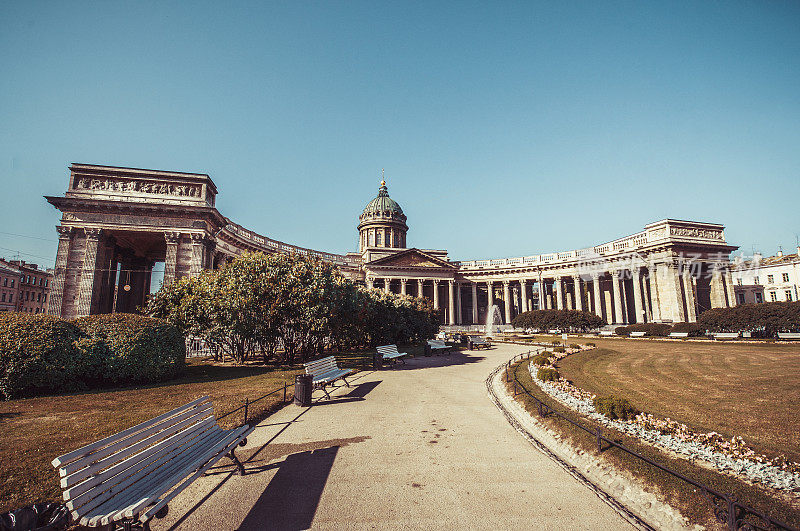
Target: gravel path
421, 446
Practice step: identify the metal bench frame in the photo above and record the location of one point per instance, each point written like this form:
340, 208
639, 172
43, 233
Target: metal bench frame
390, 353
324, 372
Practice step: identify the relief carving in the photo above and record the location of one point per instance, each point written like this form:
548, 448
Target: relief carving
132, 185
696, 233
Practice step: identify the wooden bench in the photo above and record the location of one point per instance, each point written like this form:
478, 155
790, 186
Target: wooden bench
478, 342
678, 334
390, 353
789, 335
638, 334
128, 478
725, 335
606, 333
439, 346
325, 371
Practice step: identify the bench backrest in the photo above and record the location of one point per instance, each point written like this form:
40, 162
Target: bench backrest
387, 349
679, 334
606, 333
322, 366
477, 339
94, 474
436, 343
788, 335
726, 335
638, 334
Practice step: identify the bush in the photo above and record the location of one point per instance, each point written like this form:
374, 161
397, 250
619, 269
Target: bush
614, 407
556, 342
766, 318
558, 349
576, 320
38, 354
590, 345
547, 374
541, 359
693, 329
574, 345
127, 348
650, 329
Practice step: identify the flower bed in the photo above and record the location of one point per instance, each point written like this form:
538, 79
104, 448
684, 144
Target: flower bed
727, 455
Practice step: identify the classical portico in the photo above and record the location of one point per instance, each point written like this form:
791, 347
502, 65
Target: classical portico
118, 224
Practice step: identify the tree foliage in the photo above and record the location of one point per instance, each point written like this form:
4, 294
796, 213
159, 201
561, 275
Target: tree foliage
567, 320
767, 318
287, 307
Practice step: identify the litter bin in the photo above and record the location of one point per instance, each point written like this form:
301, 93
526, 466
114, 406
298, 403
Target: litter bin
428, 350
377, 360
303, 385
471, 345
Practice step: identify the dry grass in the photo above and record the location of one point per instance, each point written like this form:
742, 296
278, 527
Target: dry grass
750, 390
681, 495
33, 431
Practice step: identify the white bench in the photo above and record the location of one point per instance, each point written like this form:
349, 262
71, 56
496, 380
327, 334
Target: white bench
606, 333
131, 476
726, 335
325, 371
554, 331
638, 334
439, 346
789, 335
390, 353
478, 342
679, 334
441, 336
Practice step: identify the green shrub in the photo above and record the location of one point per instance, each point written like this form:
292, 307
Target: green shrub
614, 407
555, 342
547, 374
766, 318
622, 331
541, 359
590, 345
574, 345
650, 329
578, 320
694, 329
38, 354
558, 349
127, 348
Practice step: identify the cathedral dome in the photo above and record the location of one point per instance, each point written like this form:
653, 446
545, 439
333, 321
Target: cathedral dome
383, 204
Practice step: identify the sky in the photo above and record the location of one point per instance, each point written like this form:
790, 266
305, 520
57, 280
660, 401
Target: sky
505, 129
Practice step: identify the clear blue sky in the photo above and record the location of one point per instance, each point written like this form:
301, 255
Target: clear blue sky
505, 128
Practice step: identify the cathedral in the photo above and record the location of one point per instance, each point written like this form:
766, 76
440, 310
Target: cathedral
118, 223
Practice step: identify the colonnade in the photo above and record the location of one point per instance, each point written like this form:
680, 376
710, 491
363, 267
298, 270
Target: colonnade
663, 292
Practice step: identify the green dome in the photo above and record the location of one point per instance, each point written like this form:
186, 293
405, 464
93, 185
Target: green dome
383, 203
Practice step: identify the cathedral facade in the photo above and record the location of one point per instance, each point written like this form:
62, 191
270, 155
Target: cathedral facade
117, 223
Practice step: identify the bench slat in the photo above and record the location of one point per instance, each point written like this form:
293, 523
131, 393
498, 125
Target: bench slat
85, 450
121, 449
156, 482
86, 495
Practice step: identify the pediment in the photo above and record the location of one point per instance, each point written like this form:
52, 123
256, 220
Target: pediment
412, 258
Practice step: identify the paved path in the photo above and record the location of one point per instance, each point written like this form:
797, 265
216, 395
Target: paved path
416, 447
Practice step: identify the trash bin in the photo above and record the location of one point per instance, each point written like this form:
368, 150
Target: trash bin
303, 385
377, 360
428, 350
471, 345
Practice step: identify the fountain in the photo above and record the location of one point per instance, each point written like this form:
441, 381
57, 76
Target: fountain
492, 317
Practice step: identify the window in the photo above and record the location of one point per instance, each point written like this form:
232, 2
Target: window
770, 279
740, 296
46, 282
739, 281
378, 239
788, 293
773, 296
44, 299
38, 297
12, 282
10, 297
755, 280
5, 282
4, 297
785, 277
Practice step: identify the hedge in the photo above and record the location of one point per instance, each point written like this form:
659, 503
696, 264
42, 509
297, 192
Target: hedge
561, 319
42, 354
650, 329
768, 318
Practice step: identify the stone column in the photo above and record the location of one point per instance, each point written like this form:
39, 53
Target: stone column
436, 294
387, 285
490, 300
688, 290
56, 297
198, 254
542, 299
619, 318
474, 303
729, 291
523, 288
451, 303
403, 282
655, 304
459, 313
88, 273
637, 295
507, 301
558, 294
669, 292
576, 282
171, 260
420, 286
598, 300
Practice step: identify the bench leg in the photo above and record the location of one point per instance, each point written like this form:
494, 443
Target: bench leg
345, 381
239, 465
325, 391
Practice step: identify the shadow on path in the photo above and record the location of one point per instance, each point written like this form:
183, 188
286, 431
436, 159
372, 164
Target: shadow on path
458, 357
290, 500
